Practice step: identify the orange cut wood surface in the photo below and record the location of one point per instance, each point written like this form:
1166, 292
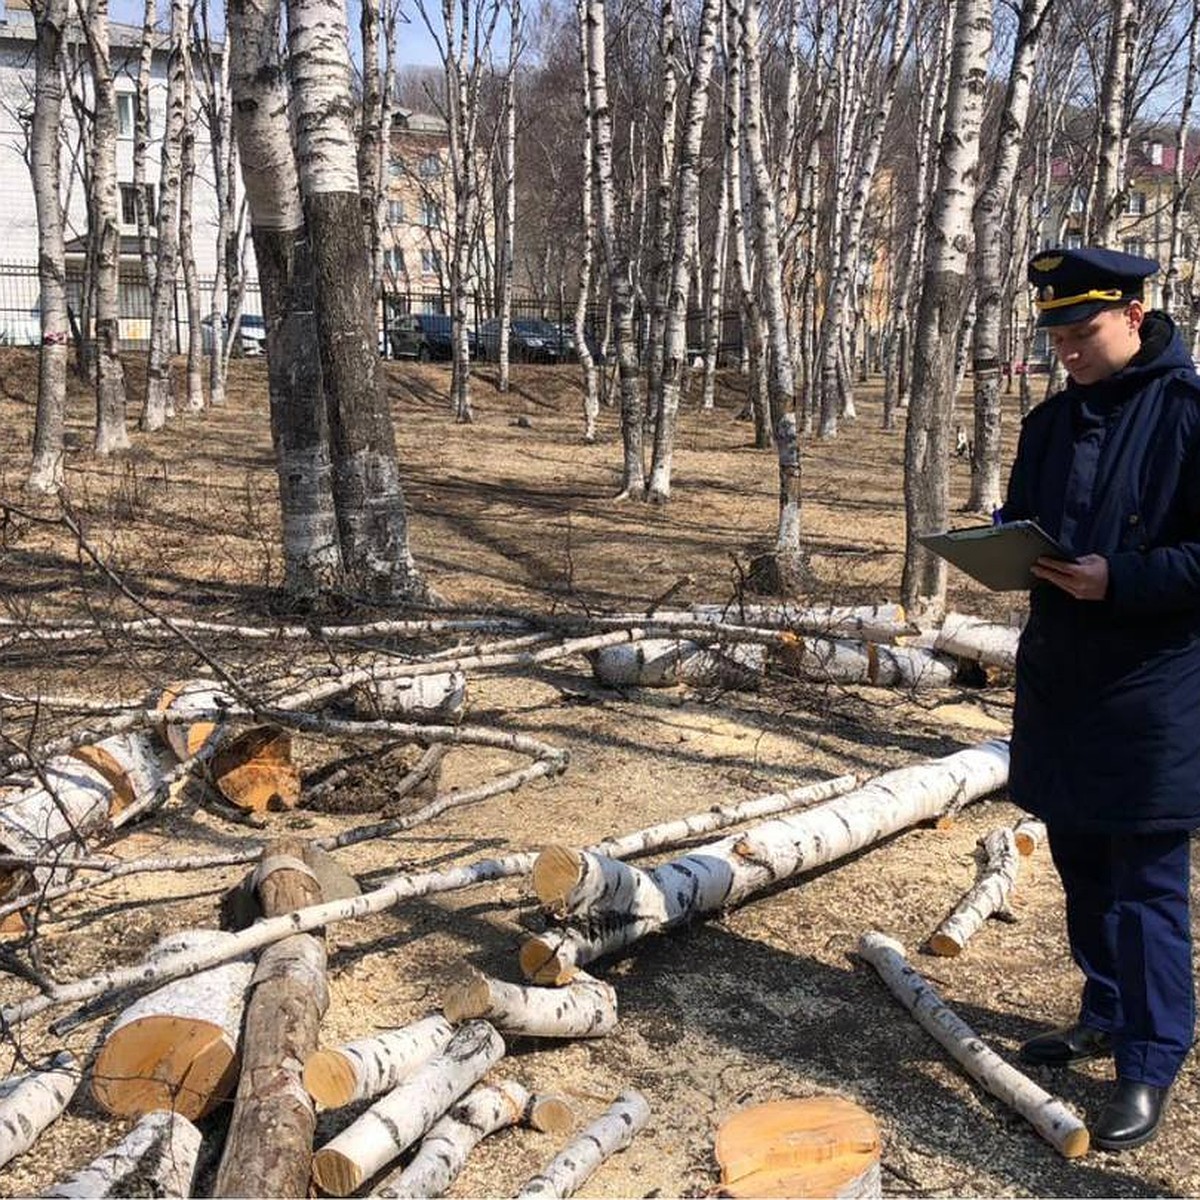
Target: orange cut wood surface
805, 1147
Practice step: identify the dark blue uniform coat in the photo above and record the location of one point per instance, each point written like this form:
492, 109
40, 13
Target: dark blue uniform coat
1106, 728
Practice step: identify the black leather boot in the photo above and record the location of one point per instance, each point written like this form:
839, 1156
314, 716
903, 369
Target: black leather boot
1061, 1047
1131, 1116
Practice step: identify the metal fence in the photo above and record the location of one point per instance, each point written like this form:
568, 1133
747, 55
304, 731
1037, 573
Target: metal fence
20, 311
20, 316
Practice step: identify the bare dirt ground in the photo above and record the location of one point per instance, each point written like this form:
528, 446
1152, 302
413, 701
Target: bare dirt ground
765, 1002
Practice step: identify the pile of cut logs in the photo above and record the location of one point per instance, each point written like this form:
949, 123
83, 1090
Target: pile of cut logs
204, 1019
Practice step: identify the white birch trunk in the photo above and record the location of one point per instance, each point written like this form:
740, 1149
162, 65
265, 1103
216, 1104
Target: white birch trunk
1113, 103
714, 318
484, 1110
575, 1164
871, 622
988, 896
157, 1157
158, 370
944, 297
141, 142
30, 1102
46, 472
666, 662
591, 397
193, 374
586, 1007
1171, 301
628, 903
975, 640
508, 168
1060, 1127
438, 697
394, 1123
364, 1069
112, 433
176, 1048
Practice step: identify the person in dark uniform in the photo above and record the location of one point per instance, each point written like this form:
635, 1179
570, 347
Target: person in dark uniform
1106, 725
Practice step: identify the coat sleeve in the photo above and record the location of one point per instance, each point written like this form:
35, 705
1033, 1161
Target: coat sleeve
1164, 579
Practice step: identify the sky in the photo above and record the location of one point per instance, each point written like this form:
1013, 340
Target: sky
416, 48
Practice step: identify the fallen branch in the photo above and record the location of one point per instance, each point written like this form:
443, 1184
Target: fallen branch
484, 1110
368, 1067
394, 1123
30, 1102
989, 895
624, 903
1057, 1124
587, 1007
571, 1168
157, 1157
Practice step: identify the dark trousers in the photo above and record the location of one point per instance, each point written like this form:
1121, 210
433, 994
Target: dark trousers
1130, 933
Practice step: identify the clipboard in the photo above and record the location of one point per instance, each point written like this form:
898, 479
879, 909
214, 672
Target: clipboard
999, 556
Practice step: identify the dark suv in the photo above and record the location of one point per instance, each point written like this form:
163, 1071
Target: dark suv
425, 336
530, 339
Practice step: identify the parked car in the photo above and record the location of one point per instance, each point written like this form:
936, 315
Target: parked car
252, 335
426, 336
530, 339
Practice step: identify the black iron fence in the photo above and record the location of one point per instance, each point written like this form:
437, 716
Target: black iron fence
541, 331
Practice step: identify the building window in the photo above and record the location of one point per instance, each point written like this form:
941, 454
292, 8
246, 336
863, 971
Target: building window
395, 168
1154, 152
125, 114
1135, 204
1076, 202
393, 260
1074, 240
431, 214
129, 204
431, 262
430, 166
396, 212
1134, 246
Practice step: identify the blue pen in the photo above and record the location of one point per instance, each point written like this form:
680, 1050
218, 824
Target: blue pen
998, 515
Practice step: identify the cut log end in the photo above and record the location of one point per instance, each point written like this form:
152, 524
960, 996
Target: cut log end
329, 1078
551, 1114
1076, 1143
255, 771
944, 946
467, 998
540, 963
335, 1173
164, 1062
99, 759
556, 873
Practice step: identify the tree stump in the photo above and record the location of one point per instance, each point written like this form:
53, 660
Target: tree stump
819, 1146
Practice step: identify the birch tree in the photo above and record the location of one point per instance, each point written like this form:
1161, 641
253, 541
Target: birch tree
1113, 106
1181, 189
368, 497
112, 433
50, 26
508, 183
591, 399
616, 261
991, 209
944, 298
299, 430
141, 142
193, 375
158, 368
687, 205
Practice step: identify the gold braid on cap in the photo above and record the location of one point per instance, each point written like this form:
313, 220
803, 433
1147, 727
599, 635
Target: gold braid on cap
1051, 301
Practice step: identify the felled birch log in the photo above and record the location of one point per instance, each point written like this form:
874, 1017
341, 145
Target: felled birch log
254, 770
157, 1157
870, 622
1029, 835
31, 1101
1049, 1116
176, 1048
975, 640
268, 1151
395, 1122
364, 1069
587, 1007
665, 662
833, 660
183, 698
484, 1110
625, 903
567, 1172
988, 896
136, 764
439, 697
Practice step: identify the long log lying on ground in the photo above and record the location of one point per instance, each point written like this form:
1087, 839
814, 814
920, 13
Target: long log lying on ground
157, 1157
176, 1048
570, 1169
187, 962
985, 642
484, 1110
666, 662
988, 896
587, 1007
870, 622
31, 1101
830, 660
624, 903
268, 1151
394, 1123
1057, 1124
368, 1067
